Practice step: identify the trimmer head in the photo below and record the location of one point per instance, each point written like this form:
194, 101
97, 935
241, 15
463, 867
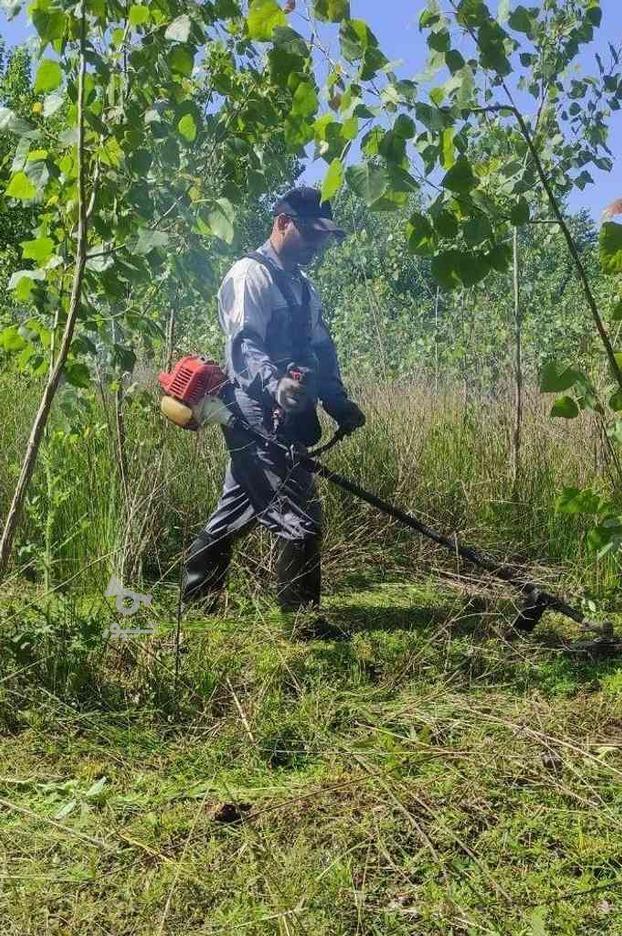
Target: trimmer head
604, 641
598, 647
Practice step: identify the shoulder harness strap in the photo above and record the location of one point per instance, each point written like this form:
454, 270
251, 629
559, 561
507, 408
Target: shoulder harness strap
299, 312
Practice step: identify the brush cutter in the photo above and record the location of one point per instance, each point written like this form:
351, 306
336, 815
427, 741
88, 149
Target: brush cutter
196, 395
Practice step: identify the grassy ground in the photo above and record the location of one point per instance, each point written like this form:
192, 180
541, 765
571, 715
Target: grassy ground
424, 777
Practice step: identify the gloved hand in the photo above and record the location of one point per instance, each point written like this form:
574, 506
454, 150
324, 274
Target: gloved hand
349, 416
291, 395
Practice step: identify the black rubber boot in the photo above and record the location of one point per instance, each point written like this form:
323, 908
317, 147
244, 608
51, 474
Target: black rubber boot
205, 570
299, 590
299, 575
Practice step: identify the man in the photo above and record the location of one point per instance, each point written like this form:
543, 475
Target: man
272, 319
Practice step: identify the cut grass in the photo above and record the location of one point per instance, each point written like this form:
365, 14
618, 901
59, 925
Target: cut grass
425, 777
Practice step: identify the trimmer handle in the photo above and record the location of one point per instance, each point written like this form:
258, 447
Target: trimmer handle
298, 372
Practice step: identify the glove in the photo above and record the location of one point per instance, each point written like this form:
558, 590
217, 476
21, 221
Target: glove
349, 416
291, 396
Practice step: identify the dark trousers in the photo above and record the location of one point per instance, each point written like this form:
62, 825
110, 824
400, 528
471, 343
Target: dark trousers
260, 486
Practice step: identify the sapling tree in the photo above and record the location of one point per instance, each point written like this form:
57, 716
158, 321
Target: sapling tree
519, 80
151, 122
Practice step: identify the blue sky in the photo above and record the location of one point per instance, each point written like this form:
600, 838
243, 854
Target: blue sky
395, 24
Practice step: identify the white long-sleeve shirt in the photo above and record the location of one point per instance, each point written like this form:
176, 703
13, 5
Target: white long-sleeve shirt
262, 339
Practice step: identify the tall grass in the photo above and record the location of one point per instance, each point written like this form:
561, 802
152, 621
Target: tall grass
443, 457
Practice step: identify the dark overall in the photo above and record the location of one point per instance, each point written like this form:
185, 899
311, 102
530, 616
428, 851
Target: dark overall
261, 486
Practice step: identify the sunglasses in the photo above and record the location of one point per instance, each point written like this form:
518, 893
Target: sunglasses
310, 234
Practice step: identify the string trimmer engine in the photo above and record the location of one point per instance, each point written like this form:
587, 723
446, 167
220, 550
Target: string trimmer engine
193, 393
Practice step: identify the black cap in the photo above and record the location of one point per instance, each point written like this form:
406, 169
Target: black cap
305, 204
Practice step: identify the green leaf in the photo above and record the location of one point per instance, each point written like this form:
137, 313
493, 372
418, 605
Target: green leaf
356, 39
432, 117
221, 218
445, 268
446, 223
95, 790
124, 358
594, 15
460, 177
477, 230
187, 128
53, 103
565, 408
555, 377
181, 60
459, 268
38, 250
454, 61
11, 340
333, 180
420, 233
150, 240
65, 810
138, 15
429, 18
616, 312
50, 22
373, 61
615, 401
331, 11
10, 122
304, 102
472, 13
350, 128
103, 259
22, 282
500, 257
404, 127
448, 150
263, 18
573, 500
611, 247
368, 181
604, 538
537, 922
298, 132
491, 41
287, 40
437, 95
439, 40
519, 213
473, 268
522, 20
77, 374
179, 29
49, 76
111, 153
21, 187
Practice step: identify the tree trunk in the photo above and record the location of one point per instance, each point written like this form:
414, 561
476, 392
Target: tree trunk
518, 373
49, 522
41, 419
437, 303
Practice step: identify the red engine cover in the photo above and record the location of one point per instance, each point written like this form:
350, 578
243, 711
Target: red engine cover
193, 378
